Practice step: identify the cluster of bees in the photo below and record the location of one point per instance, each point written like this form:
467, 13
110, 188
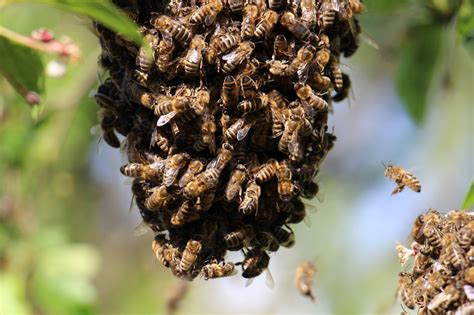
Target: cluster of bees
225, 122
441, 280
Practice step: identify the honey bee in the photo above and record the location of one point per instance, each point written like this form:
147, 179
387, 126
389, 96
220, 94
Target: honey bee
175, 29
336, 72
194, 167
465, 309
165, 51
215, 270
146, 172
180, 105
453, 252
236, 6
201, 101
276, 4
321, 82
285, 186
237, 56
304, 278
308, 13
420, 264
207, 12
297, 28
160, 140
158, 198
254, 263
306, 94
190, 254
237, 178
290, 130
238, 130
185, 213
266, 172
224, 155
160, 248
266, 24
433, 235
219, 44
249, 18
172, 167
402, 178
253, 105
301, 64
145, 58
204, 201
230, 92
405, 282
242, 237
285, 238
107, 124
344, 92
208, 129
281, 48
466, 236
204, 181
249, 203
193, 59
248, 87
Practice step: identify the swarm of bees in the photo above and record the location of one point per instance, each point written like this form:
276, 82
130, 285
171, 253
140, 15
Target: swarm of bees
225, 121
441, 280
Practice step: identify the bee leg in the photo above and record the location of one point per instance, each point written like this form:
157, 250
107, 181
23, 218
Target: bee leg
398, 189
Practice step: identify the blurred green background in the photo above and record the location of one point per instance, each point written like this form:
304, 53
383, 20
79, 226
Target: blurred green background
67, 243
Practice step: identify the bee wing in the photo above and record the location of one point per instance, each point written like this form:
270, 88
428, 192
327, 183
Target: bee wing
249, 282
294, 146
171, 174
335, 5
303, 72
230, 57
141, 229
307, 221
158, 165
212, 164
193, 56
209, 19
242, 133
164, 119
469, 290
269, 279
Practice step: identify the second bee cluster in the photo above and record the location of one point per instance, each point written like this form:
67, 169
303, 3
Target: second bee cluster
226, 121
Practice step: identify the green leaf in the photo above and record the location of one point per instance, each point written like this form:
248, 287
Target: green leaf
469, 199
419, 61
465, 25
23, 68
101, 10
385, 6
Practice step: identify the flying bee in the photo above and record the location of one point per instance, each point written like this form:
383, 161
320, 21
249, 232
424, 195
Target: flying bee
285, 186
206, 13
190, 254
254, 263
215, 270
236, 6
327, 14
160, 140
145, 58
266, 24
297, 28
237, 56
306, 94
285, 238
249, 18
304, 278
248, 87
402, 178
172, 167
201, 101
165, 51
194, 167
203, 181
249, 203
239, 238
158, 198
204, 201
266, 172
405, 282
253, 105
193, 59
237, 178
173, 28
150, 172
230, 91
336, 73
185, 213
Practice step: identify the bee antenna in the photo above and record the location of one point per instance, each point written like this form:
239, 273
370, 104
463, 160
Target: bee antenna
385, 166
